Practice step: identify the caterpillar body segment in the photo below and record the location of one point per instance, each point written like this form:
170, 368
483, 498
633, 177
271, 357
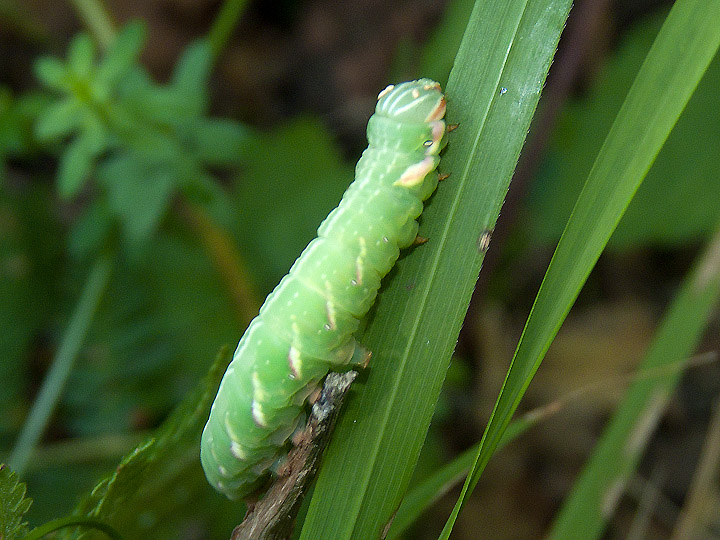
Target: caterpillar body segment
305, 327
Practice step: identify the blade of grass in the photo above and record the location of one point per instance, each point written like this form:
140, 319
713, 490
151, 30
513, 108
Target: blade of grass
62, 364
423, 495
676, 62
617, 453
500, 71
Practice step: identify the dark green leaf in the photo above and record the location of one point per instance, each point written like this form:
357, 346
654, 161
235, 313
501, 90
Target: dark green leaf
91, 231
677, 202
439, 51
30, 245
161, 106
219, 141
16, 122
139, 195
282, 173
75, 167
193, 71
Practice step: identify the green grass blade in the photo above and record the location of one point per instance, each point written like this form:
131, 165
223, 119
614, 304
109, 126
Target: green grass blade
62, 364
493, 91
617, 453
676, 62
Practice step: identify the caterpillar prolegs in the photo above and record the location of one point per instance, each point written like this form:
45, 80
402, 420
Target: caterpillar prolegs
305, 327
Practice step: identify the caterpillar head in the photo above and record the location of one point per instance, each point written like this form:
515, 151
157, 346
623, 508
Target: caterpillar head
409, 118
418, 101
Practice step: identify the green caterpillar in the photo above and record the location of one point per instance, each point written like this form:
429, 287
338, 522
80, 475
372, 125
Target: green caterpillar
305, 327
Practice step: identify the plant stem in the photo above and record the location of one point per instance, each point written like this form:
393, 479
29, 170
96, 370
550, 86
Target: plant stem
62, 364
97, 19
227, 261
224, 25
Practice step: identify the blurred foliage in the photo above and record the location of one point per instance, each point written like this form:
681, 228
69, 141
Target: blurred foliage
127, 148
677, 202
30, 245
144, 141
308, 173
155, 491
17, 115
439, 53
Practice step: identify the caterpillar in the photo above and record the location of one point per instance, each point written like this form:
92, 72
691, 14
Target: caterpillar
305, 327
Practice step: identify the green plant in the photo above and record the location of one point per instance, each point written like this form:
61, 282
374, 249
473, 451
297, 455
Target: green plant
139, 158
144, 141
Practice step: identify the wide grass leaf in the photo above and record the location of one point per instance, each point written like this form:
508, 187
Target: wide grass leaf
492, 94
677, 60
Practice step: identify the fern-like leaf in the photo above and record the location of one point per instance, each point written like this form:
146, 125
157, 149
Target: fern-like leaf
13, 505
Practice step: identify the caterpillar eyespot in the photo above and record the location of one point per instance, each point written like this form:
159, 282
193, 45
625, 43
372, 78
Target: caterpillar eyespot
305, 327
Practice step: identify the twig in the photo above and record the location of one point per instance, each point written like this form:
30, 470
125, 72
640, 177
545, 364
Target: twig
273, 517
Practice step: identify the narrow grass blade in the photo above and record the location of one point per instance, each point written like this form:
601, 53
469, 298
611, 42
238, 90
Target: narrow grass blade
676, 62
492, 94
62, 364
617, 453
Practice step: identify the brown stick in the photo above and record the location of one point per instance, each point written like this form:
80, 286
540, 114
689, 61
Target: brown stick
273, 517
